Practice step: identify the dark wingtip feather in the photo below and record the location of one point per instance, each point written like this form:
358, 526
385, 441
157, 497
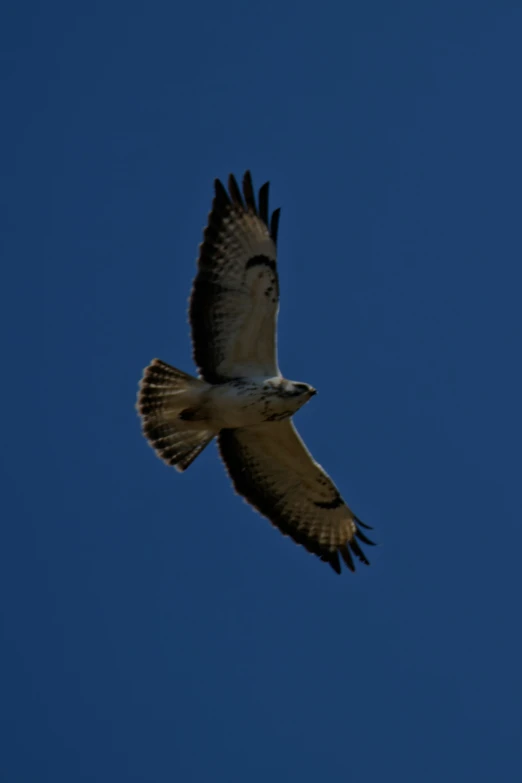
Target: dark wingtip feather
332, 558
235, 193
263, 202
274, 224
360, 535
362, 524
221, 193
345, 554
248, 192
356, 549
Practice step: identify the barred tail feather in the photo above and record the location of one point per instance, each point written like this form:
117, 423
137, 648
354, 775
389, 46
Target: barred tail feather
176, 444
165, 396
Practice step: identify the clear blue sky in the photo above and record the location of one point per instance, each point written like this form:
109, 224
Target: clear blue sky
154, 628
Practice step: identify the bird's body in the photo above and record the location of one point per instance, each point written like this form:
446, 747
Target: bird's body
241, 396
245, 402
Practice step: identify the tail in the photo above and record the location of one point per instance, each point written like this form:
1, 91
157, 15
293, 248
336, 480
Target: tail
168, 403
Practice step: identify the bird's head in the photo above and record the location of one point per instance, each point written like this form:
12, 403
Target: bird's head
302, 389
298, 391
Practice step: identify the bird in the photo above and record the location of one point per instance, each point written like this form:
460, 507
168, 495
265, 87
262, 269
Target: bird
240, 396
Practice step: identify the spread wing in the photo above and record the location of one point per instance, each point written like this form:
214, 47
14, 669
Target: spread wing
235, 296
272, 468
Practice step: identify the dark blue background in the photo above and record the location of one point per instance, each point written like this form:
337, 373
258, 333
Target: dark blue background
155, 628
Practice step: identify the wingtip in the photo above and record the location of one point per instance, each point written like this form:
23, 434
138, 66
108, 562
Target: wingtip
346, 556
362, 524
221, 191
359, 554
360, 535
247, 197
249, 193
274, 224
235, 193
263, 202
332, 558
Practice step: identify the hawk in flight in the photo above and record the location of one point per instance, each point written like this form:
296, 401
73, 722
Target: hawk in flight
240, 396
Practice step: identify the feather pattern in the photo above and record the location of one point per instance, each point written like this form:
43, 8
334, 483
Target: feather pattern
235, 296
273, 470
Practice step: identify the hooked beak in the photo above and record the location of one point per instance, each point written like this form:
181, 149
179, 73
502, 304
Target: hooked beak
313, 391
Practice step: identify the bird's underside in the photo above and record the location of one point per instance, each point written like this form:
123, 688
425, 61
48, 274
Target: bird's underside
241, 397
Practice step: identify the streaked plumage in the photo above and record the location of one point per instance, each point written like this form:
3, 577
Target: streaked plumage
241, 396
